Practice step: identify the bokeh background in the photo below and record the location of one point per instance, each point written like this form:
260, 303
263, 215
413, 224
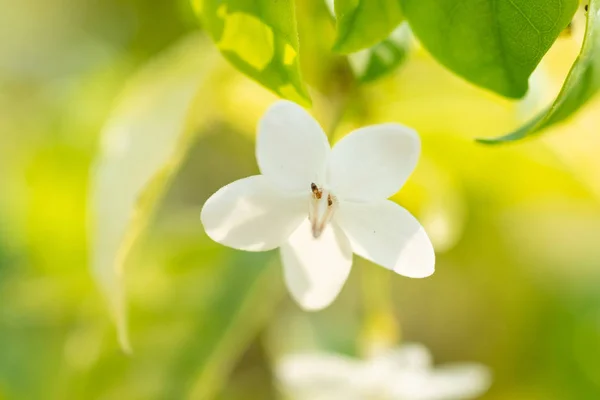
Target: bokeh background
516, 227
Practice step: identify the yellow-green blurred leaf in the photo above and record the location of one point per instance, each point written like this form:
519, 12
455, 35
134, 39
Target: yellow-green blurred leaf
582, 83
364, 23
260, 38
142, 145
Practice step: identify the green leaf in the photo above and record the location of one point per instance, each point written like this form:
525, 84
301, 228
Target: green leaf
142, 145
259, 37
383, 58
495, 44
582, 83
249, 290
364, 23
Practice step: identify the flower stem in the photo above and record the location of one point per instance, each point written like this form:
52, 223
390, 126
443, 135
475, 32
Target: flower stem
341, 95
381, 329
340, 110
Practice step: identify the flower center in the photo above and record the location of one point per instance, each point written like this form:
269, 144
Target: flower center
320, 211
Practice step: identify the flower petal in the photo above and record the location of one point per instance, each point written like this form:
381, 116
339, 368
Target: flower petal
315, 269
311, 370
459, 381
388, 235
319, 376
250, 214
411, 356
291, 147
373, 163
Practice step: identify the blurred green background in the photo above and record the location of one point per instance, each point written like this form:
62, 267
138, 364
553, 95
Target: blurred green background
516, 227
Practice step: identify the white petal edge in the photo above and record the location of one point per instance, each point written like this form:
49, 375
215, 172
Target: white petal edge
319, 376
315, 270
313, 369
373, 163
411, 356
251, 214
388, 235
384, 368
461, 381
291, 148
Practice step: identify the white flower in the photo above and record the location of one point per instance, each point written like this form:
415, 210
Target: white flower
320, 204
405, 373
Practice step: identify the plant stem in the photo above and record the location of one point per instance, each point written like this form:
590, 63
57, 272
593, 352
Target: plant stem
342, 94
381, 329
340, 111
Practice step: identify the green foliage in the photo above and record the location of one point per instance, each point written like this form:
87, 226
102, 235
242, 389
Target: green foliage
260, 38
248, 291
364, 23
581, 84
515, 227
383, 58
495, 44
142, 144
